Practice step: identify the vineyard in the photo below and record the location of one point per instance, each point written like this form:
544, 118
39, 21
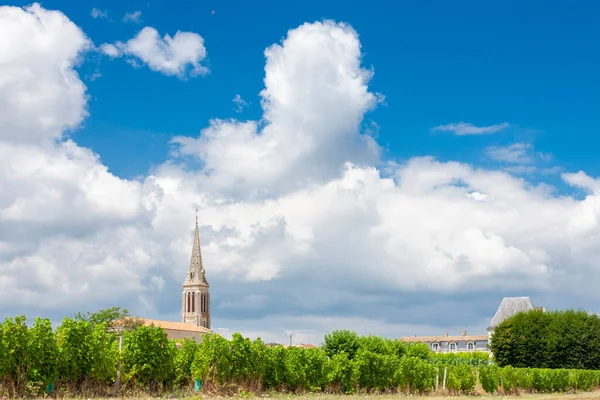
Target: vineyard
82, 357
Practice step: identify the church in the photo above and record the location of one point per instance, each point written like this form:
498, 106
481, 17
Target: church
195, 301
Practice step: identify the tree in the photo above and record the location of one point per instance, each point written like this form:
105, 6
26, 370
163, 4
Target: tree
110, 317
539, 339
341, 341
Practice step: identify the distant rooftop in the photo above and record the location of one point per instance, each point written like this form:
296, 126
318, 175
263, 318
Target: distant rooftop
509, 307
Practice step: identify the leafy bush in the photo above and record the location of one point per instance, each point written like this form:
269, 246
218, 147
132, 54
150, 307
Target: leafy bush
417, 374
341, 341
148, 357
16, 342
341, 373
43, 352
184, 357
489, 377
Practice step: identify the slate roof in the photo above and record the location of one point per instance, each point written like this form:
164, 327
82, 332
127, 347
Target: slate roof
509, 307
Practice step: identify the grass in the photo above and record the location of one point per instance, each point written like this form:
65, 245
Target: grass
554, 396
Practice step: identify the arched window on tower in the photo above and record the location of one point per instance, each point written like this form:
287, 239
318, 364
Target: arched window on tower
193, 301
187, 309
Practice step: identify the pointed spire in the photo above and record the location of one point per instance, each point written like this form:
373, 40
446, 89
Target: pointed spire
196, 273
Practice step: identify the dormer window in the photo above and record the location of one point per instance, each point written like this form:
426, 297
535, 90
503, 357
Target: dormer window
452, 346
470, 345
435, 346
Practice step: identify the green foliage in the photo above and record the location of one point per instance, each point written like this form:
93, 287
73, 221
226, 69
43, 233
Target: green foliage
417, 374
104, 354
16, 342
341, 341
213, 360
340, 373
74, 339
84, 351
184, 357
375, 370
43, 352
274, 367
148, 356
538, 339
489, 377
419, 350
475, 358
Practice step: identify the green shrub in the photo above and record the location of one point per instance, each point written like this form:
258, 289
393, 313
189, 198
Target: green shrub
341, 373
148, 357
418, 375
184, 357
489, 377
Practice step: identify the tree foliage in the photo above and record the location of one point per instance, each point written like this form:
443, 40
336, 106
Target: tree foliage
539, 339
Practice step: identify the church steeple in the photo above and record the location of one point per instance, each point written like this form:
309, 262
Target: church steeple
196, 297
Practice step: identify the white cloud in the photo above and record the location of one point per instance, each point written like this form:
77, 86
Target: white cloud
464, 128
135, 17
583, 180
240, 103
42, 96
180, 55
516, 153
314, 100
96, 13
334, 244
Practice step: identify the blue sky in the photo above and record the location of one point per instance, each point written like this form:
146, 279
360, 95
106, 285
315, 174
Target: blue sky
532, 65
467, 191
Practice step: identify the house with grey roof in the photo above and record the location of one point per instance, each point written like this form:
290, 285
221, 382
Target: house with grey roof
454, 344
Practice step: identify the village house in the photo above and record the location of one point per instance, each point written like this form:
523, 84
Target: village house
467, 343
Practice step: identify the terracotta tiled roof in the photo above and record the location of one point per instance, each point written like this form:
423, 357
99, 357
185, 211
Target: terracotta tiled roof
176, 326
444, 338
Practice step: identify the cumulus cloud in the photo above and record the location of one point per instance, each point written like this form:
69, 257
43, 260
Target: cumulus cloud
180, 55
464, 128
425, 248
314, 100
42, 96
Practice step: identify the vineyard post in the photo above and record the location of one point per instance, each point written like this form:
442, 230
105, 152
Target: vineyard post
437, 379
444, 384
119, 363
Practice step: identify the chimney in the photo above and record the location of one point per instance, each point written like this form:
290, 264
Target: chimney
464, 333
446, 334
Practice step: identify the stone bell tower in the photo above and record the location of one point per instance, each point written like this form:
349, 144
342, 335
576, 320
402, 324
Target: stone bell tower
195, 304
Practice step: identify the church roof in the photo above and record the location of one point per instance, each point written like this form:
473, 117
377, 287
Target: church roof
509, 307
175, 326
